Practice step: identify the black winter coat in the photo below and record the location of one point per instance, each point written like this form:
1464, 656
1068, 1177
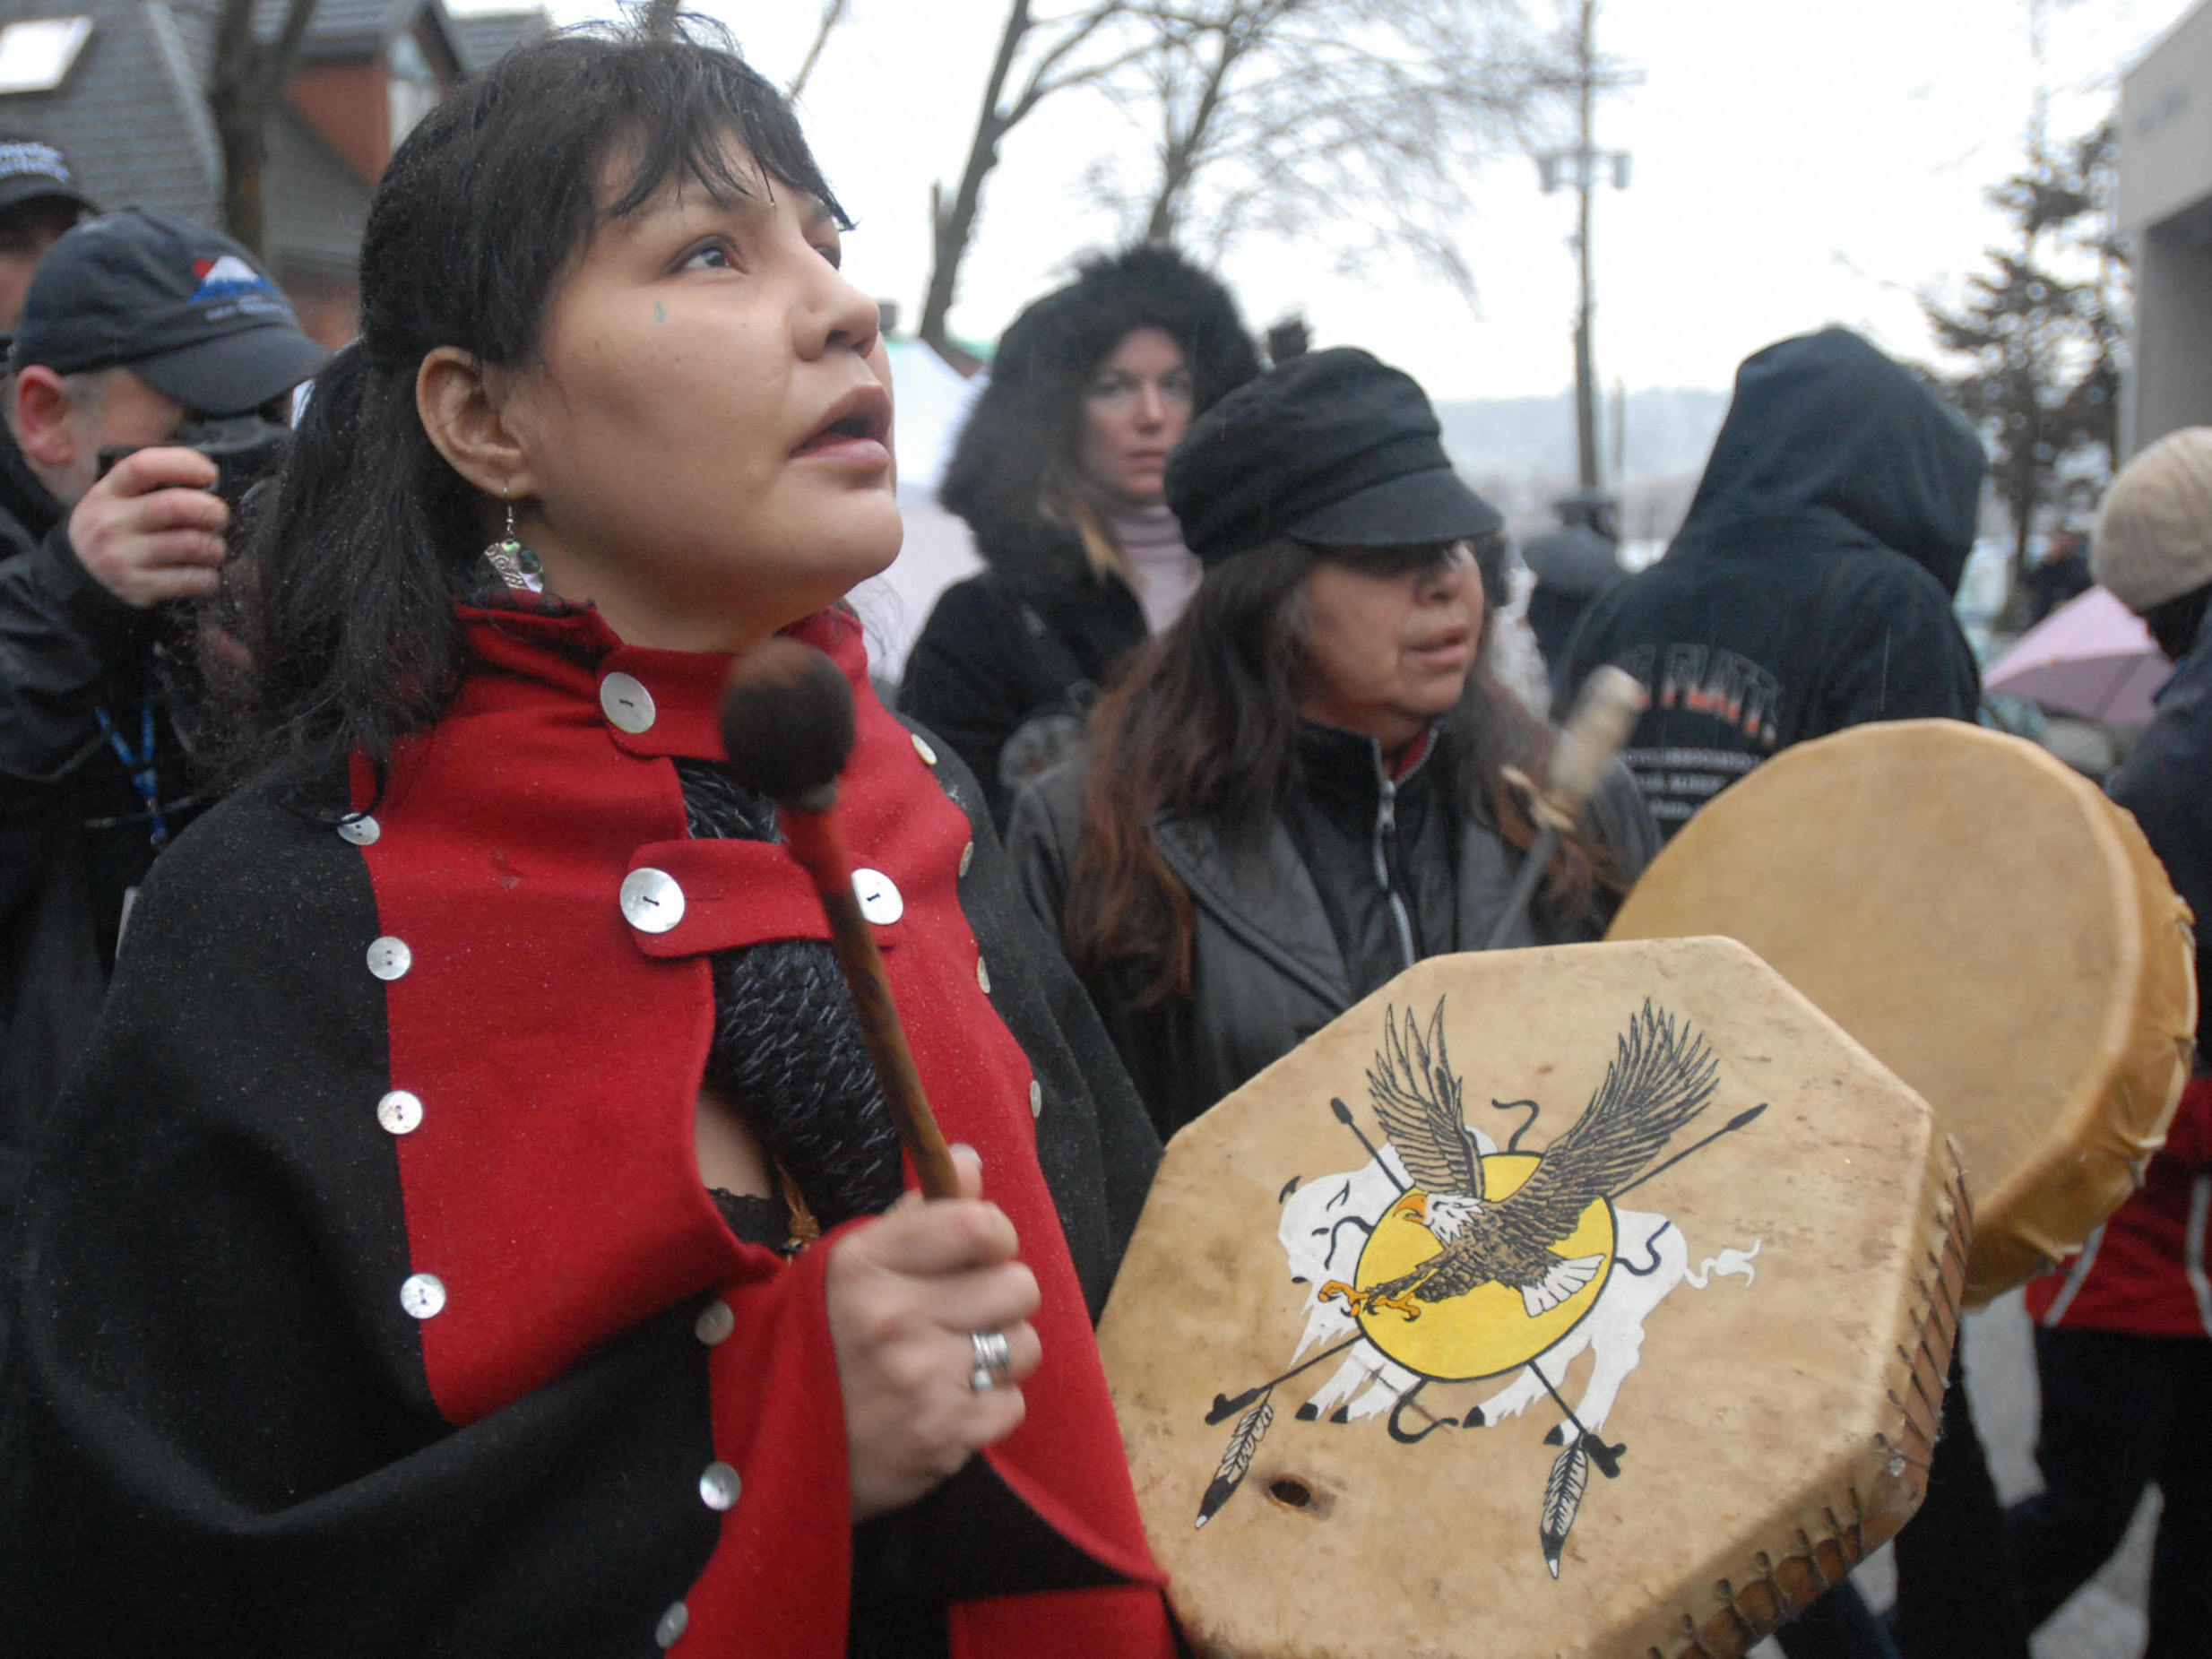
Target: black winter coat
997, 657
1276, 957
2167, 784
1810, 587
74, 839
1025, 647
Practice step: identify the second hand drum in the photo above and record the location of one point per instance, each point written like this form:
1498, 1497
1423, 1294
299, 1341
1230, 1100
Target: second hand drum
1995, 930
1593, 1302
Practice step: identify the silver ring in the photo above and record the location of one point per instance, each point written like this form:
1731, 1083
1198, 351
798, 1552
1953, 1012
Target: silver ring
994, 1358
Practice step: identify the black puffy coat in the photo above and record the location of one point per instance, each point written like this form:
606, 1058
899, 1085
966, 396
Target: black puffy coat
1040, 631
1810, 587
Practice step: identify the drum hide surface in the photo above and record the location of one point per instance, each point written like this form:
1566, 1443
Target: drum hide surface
1993, 928
1590, 1302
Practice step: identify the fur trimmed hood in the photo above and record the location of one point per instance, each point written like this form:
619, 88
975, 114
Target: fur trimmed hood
1032, 401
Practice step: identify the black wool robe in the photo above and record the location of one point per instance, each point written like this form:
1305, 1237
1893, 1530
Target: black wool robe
369, 1301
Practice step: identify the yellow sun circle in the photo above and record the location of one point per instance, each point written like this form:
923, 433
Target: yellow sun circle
1487, 1330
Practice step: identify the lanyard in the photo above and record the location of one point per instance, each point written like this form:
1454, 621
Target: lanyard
139, 764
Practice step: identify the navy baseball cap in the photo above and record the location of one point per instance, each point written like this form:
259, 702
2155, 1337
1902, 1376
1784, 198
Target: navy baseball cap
31, 170
187, 311
1334, 449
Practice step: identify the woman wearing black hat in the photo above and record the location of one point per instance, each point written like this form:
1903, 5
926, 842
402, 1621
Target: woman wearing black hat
1058, 474
1299, 790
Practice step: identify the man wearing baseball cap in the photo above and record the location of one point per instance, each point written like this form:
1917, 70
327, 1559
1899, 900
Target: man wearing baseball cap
39, 201
138, 328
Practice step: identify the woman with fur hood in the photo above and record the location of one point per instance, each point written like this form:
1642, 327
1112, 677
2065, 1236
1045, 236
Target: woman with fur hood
1059, 472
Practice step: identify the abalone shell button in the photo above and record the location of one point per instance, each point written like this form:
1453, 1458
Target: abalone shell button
672, 1626
626, 703
880, 898
714, 1323
400, 1112
719, 1486
652, 901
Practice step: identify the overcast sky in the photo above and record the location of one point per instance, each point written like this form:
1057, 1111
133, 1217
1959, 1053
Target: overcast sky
1795, 164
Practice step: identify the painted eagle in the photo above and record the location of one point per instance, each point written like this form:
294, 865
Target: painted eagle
1659, 1078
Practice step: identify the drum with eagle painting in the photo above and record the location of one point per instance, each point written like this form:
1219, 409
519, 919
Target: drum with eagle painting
1589, 1301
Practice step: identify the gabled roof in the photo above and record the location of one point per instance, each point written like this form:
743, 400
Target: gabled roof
353, 27
317, 206
130, 116
134, 122
484, 37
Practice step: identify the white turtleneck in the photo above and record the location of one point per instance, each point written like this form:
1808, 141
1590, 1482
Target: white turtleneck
1165, 572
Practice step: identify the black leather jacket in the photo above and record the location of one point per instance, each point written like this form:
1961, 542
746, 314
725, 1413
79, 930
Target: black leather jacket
1287, 941
74, 835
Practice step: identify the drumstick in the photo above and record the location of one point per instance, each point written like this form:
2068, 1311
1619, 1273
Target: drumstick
787, 726
1603, 716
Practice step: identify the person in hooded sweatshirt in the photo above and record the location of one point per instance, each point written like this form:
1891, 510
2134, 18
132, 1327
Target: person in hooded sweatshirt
1810, 587
1059, 473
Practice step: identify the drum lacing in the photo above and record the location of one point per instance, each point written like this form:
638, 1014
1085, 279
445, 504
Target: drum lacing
1812, 1561
1696, 1639
1783, 1606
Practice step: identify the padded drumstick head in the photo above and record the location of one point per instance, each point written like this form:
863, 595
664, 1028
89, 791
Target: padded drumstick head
787, 719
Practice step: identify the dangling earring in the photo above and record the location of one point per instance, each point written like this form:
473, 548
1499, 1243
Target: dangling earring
516, 564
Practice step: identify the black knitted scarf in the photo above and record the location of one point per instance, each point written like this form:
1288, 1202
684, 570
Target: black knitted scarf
787, 1048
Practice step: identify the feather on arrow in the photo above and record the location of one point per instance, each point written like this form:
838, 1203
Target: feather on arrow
1562, 1501
1243, 1441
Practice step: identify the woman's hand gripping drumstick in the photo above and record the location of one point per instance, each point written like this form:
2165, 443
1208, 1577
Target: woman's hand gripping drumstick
929, 1308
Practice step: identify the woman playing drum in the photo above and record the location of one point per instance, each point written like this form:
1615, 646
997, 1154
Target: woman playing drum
1302, 789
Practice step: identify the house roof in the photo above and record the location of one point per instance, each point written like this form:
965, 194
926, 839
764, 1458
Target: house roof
134, 122
315, 205
484, 37
349, 28
129, 115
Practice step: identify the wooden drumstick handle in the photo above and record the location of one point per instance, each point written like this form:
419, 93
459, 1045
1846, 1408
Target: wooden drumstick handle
1605, 714
787, 726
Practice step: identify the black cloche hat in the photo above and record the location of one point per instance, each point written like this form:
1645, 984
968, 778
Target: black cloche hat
187, 311
1334, 448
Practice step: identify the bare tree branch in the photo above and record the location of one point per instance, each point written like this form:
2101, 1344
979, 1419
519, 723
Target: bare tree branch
1055, 52
244, 85
1270, 117
833, 14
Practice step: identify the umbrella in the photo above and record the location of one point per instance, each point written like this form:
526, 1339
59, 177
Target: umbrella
2091, 657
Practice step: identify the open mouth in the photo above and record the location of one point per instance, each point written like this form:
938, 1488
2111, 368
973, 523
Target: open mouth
861, 416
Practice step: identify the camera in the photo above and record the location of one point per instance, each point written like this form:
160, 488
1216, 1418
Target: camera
246, 449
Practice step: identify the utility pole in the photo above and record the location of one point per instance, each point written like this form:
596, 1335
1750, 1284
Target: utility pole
1585, 161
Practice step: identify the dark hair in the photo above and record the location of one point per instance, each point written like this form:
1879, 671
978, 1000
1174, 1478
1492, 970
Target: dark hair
349, 568
1202, 725
1014, 465
2175, 623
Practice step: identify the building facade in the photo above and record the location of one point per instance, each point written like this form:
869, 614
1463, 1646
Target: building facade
2165, 212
